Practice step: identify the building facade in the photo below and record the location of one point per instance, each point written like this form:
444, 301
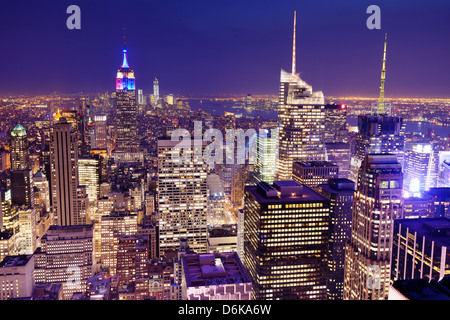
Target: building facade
340, 192
286, 230
377, 202
182, 195
218, 276
420, 249
64, 174
65, 257
313, 173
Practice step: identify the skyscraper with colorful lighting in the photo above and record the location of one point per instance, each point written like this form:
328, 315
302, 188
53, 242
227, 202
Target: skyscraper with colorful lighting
127, 142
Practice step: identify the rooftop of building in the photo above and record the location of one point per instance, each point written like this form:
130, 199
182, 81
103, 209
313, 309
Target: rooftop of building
283, 191
99, 284
339, 185
337, 145
437, 229
226, 230
213, 269
443, 193
18, 131
47, 291
15, 261
55, 227
314, 164
421, 289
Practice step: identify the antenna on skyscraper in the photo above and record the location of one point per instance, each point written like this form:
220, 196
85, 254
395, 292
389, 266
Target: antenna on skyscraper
383, 77
124, 50
124, 41
293, 43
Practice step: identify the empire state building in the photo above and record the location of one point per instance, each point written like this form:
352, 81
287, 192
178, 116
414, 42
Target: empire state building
127, 142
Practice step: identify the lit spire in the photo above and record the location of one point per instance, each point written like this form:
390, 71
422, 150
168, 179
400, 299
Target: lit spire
383, 77
125, 62
293, 43
58, 115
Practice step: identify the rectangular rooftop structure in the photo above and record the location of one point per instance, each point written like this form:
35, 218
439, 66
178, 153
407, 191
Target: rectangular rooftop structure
215, 276
283, 191
15, 261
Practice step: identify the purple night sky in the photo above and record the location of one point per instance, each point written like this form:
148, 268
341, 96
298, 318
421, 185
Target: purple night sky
225, 47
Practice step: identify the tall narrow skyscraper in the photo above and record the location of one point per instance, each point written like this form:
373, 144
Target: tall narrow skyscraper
182, 196
377, 202
100, 133
335, 123
127, 143
301, 117
340, 193
420, 167
19, 149
156, 91
286, 241
64, 174
379, 131
266, 155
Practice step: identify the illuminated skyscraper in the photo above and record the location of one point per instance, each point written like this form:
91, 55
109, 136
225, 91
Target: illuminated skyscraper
65, 257
75, 119
340, 193
420, 249
112, 227
377, 202
335, 122
19, 149
27, 230
22, 190
420, 167
377, 134
156, 91
140, 97
313, 173
89, 176
266, 155
301, 116
64, 174
379, 131
100, 133
127, 143
248, 101
182, 195
286, 241
41, 192
339, 153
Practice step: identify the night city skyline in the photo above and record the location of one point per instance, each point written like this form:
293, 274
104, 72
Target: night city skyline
204, 48
249, 155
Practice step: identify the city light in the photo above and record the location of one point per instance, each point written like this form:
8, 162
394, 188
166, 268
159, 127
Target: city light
228, 167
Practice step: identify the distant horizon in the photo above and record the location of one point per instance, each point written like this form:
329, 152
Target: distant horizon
211, 48
219, 95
